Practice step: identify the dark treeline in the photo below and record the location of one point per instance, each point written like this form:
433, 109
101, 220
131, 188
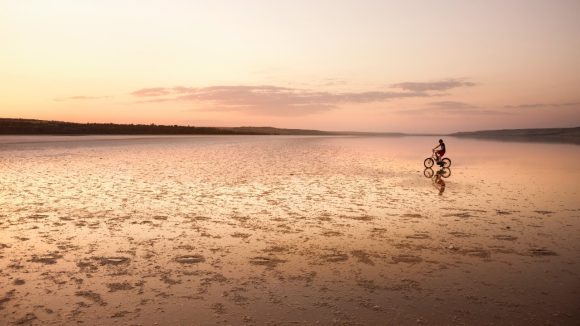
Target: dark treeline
39, 127
42, 127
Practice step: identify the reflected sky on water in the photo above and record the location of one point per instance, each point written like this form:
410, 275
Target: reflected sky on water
345, 229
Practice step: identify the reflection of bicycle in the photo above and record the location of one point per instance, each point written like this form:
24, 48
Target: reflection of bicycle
438, 179
443, 172
430, 161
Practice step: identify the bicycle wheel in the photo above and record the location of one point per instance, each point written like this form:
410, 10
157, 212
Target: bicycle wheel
428, 173
445, 172
428, 162
446, 162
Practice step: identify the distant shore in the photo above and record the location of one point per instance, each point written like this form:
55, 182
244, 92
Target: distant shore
45, 127
547, 135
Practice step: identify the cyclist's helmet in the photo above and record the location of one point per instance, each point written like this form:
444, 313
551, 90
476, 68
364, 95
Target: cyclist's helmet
440, 140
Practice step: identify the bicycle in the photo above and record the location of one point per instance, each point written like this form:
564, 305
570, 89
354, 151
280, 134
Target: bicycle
443, 172
430, 161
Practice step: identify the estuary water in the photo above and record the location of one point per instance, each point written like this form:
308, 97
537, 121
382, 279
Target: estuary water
137, 230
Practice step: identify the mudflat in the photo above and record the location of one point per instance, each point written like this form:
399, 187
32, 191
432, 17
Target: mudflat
286, 230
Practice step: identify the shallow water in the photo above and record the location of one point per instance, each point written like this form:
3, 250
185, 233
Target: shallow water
286, 230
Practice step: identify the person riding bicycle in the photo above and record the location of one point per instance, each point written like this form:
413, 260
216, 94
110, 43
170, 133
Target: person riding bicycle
440, 152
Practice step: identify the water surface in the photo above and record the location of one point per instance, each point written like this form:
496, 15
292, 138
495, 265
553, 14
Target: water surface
286, 229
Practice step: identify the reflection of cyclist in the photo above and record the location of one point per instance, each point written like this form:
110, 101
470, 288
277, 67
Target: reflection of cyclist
438, 181
440, 152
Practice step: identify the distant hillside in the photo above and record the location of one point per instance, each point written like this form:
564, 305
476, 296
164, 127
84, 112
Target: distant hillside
42, 127
552, 135
276, 131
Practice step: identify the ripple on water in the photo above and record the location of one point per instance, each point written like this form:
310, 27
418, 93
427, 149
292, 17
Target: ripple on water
419, 236
118, 260
410, 259
266, 261
505, 237
190, 259
542, 252
481, 253
335, 257
48, 259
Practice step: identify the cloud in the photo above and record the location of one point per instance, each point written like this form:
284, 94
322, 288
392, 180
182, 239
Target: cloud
80, 97
542, 105
450, 108
452, 105
333, 82
268, 99
156, 91
440, 85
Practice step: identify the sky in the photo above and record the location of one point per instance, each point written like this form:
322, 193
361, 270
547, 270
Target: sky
365, 65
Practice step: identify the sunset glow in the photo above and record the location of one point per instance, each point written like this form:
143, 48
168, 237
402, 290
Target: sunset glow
254, 162
401, 66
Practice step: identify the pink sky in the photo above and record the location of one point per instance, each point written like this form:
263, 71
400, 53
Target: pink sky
405, 66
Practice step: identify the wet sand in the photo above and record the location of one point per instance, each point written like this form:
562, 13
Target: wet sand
286, 230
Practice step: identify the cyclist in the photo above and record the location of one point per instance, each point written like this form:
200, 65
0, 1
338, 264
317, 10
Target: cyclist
440, 152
